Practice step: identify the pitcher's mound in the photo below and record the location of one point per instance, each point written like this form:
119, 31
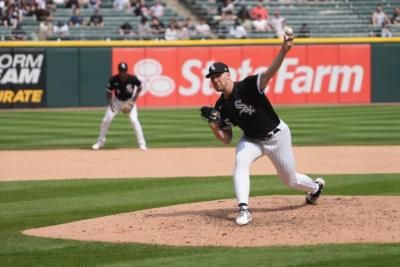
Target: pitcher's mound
277, 220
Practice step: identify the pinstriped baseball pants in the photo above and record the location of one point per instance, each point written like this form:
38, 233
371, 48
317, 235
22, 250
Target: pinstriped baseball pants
279, 150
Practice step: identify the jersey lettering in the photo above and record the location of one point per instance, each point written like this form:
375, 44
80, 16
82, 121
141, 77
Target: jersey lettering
123, 89
243, 108
227, 123
129, 88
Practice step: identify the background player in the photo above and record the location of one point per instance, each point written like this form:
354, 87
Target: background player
122, 91
244, 104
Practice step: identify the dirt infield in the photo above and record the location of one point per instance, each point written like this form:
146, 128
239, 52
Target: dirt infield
186, 162
278, 220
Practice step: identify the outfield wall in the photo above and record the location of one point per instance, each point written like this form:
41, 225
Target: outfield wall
316, 71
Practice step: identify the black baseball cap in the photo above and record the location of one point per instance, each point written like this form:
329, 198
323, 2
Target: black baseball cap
122, 67
217, 67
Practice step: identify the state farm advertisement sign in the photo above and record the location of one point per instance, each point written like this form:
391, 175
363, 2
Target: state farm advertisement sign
315, 74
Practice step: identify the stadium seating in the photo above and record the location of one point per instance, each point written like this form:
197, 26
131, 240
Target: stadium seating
329, 18
112, 20
336, 18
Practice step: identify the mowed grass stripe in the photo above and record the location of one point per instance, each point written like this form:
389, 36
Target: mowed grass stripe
119, 195
318, 125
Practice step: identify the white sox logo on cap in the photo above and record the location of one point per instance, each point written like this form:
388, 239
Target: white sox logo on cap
217, 67
122, 66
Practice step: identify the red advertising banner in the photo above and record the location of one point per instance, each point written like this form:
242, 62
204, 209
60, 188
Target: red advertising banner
310, 74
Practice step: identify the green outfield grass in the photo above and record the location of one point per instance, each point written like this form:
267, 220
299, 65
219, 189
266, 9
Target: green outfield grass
40, 203
318, 125
28, 204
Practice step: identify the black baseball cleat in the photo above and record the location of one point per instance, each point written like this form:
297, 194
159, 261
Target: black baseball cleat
311, 199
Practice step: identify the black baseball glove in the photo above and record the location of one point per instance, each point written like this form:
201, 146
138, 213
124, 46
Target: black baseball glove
210, 114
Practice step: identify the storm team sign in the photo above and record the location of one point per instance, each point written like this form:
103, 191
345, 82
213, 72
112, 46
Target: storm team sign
22, 78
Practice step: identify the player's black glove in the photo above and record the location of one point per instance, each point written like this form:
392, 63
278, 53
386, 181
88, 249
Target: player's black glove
210, 114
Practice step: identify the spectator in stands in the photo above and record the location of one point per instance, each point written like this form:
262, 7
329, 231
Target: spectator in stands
226, 10
186, 29
156, 10
139, 8
126, 29
96, 20
396, 17
60, 29
188, 25
277, 23
183, 32
83, 3
386, 32
94, 4
157, 27
203, 29
121, 5
41, 12
379, 17
18, 34
244, 18
72, 4
40, 4
51, 6
2, 8
304, 31
259, 11
237, 31
261, 25
226, 6
144, 29
171, 32
60, 2
12, 16
28, 7
45, 29
76, 18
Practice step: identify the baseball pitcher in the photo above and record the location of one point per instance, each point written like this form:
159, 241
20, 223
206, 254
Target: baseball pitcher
245, 104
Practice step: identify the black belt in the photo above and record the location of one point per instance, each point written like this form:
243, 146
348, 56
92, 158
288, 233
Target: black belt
272, 133
269, 135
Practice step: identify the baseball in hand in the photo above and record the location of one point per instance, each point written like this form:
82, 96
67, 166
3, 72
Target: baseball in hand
288, 31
